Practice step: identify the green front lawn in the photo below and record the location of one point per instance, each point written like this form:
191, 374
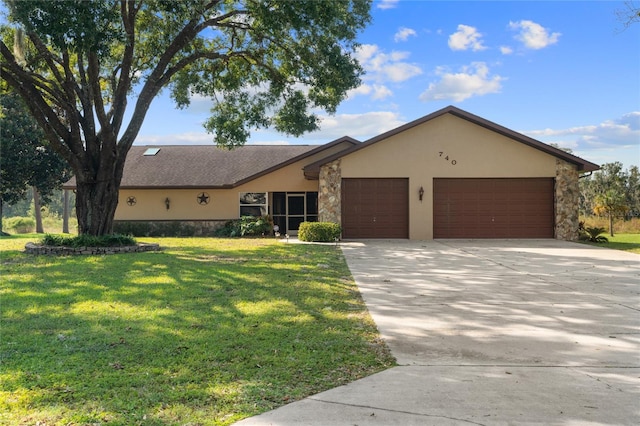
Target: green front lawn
626, 242
208, 331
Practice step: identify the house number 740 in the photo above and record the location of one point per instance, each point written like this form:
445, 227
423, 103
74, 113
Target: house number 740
445, 156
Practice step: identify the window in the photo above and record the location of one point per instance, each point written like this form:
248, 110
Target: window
253, 204
150, 152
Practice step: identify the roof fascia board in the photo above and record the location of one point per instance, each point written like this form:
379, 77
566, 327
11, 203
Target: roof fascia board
307, 154
580, 162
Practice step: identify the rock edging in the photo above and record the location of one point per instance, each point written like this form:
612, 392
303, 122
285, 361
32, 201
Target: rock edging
32, 248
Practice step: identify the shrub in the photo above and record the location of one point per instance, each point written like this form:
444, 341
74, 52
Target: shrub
319, 231
21, 225
114, 240
246, 226
592, 234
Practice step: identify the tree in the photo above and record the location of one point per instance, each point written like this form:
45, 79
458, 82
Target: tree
611, 204
630, 14
265, 63
632, 191
611, 176
24, 162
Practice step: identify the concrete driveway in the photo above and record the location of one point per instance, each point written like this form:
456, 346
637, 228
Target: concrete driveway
491, 332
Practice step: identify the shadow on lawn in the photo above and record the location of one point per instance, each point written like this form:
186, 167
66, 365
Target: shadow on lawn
186, 335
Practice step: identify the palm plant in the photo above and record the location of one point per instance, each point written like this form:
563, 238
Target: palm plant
592, 234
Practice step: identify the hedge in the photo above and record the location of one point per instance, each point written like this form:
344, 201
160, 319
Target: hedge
319, 231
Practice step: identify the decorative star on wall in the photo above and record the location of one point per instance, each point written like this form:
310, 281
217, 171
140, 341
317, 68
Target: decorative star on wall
203, 198
131, 201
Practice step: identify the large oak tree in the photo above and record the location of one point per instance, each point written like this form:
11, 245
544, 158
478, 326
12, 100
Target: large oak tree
80, 64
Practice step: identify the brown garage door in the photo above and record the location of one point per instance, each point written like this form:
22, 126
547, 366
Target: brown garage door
375, 208
493, 208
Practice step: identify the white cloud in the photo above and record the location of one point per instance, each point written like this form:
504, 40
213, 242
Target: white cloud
533, 35
473, 80
622, 132
359, 126
466, 38
382, 67
187, 138
403, 34
377, 91
506, 50
387, 4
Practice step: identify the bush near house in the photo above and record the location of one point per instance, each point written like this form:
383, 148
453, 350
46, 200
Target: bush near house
319, 231
246, 226
592, 234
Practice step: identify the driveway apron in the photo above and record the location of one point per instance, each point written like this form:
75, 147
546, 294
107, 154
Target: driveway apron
491, 332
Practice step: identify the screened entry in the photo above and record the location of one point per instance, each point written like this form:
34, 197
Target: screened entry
290, 209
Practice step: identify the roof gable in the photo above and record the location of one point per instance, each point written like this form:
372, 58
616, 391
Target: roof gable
312, 170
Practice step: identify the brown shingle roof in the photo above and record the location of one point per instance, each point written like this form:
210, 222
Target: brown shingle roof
181, 166
207, 166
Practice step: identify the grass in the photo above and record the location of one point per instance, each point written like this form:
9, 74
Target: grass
626, 233
626, 242
206, 332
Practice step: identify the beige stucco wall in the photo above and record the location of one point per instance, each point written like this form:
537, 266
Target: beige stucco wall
223, 204
446, 146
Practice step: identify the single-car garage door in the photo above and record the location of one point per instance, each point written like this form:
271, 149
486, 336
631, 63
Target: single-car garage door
375, 208
493, 208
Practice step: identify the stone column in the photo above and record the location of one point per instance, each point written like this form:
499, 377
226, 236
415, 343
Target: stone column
330, 193
567, 198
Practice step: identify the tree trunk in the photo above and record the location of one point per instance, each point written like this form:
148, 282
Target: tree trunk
2, 233
65, 211
96, 206
38, 212
611, 224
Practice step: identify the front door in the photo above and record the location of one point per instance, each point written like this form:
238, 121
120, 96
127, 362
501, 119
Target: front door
295, 212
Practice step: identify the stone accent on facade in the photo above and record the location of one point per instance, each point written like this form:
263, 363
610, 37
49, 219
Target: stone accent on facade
330, 193
32, 248
567, 198
168, 228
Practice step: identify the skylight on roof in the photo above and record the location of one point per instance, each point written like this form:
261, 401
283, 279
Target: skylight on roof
150, 152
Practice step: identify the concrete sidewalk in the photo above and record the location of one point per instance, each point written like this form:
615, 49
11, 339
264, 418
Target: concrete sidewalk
491, 332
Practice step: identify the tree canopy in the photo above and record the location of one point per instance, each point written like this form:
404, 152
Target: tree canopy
265, 63
25, 161
612, 192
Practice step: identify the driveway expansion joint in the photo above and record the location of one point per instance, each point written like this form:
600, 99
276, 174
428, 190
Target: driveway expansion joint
387, 410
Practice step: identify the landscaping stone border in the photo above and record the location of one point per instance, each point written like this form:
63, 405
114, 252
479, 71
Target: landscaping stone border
32, 248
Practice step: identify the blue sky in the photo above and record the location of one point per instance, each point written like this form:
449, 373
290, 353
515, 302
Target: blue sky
562, 72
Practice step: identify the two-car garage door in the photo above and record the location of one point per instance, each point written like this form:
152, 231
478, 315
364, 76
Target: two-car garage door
462, 208
493, 208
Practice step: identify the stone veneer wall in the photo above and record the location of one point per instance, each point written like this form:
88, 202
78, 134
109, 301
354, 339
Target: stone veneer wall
567, 198
32, 248
330, 193
168, 228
